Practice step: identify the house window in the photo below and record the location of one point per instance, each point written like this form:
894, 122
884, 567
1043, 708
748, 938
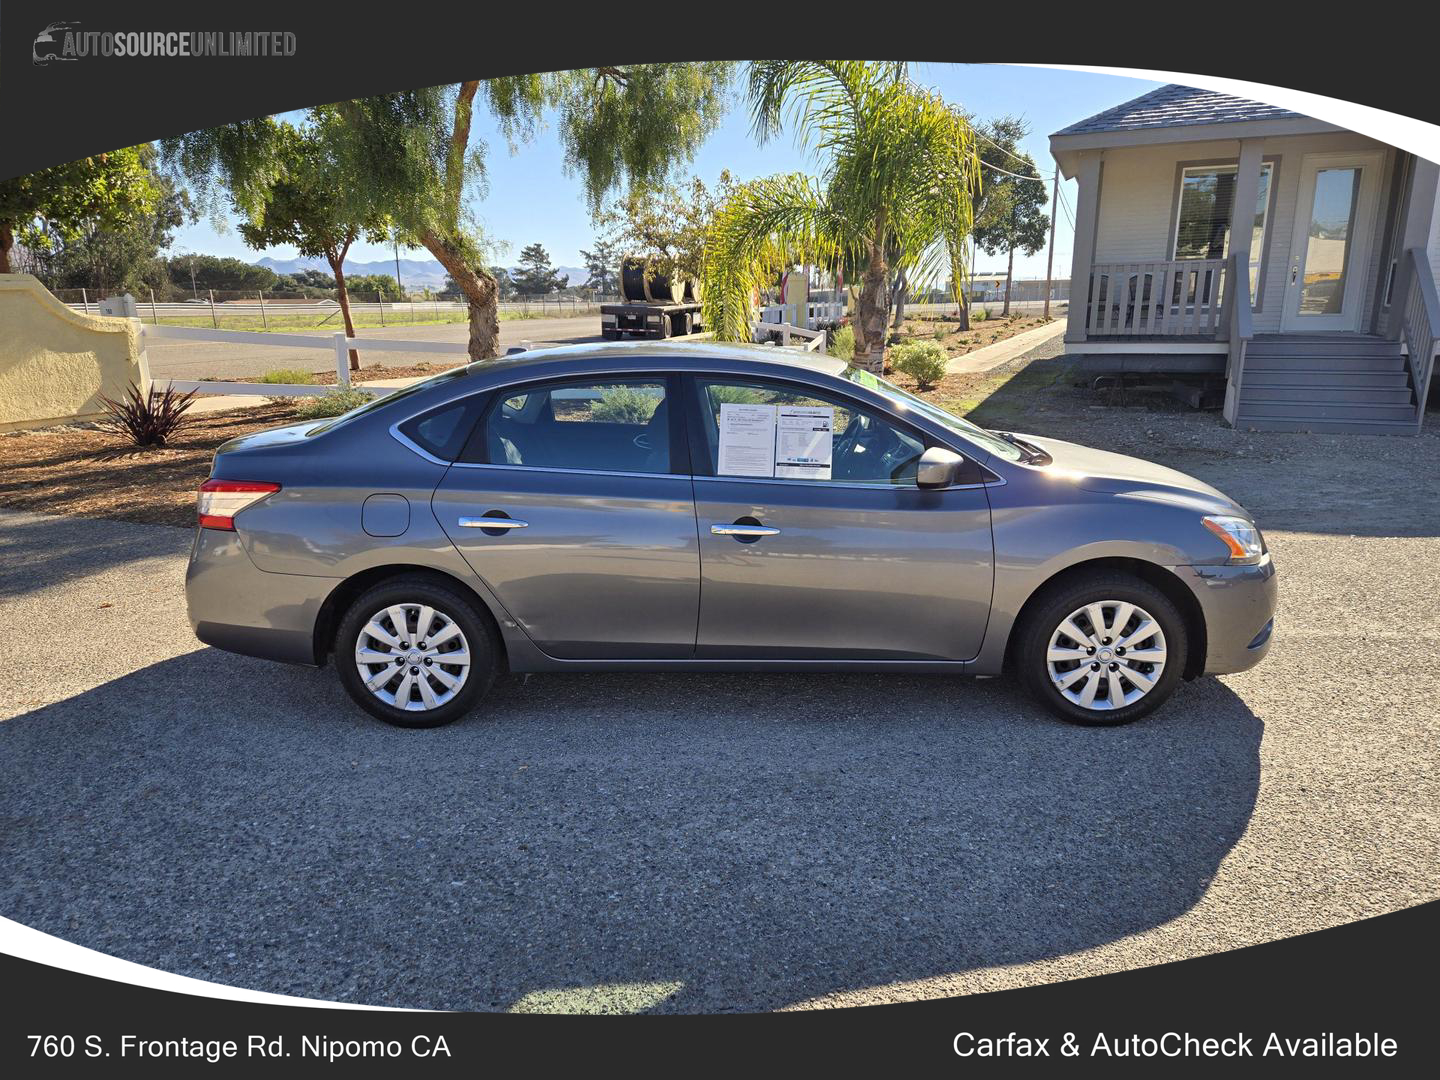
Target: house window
1202, 222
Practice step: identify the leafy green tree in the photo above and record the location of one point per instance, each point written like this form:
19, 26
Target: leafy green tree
1010, 211
220, 273
306, 205
535, 275
385, 286
898, 168
122, 256
603, 267
63, 202
504, 284
668, 224
618, 125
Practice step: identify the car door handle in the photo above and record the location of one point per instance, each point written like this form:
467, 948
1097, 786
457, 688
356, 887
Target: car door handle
493, 523
744, 530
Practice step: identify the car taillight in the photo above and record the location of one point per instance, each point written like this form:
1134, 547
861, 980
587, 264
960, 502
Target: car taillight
221, 500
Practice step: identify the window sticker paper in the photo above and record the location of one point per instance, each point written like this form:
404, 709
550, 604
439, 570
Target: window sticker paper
804, 441
747, 440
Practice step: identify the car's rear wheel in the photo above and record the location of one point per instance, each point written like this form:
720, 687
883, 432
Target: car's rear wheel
1102, 649
415, 653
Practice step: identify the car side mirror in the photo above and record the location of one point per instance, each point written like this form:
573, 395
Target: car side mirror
938, 468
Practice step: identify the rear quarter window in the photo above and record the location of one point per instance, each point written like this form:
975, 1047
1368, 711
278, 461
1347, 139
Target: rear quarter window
443, 431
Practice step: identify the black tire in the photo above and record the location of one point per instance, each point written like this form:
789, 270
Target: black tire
479, 637
1058, 602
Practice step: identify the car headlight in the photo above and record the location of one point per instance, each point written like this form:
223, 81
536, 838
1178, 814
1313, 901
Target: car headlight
1240, 536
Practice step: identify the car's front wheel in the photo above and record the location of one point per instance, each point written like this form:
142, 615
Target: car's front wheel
415, 653
1102, 649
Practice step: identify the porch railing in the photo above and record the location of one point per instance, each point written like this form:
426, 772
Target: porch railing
1180, 297
1419, 324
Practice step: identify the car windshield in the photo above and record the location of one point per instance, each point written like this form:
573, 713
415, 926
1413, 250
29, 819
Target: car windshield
388, 399
974, 432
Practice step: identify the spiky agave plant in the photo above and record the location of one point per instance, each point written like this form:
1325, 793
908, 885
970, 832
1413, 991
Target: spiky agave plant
149, 419
898, 170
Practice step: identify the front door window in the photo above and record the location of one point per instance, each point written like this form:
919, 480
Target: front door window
1326, 283
1327, 242
770, 430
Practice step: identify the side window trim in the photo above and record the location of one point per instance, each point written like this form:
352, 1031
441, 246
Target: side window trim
476, 453
705, 466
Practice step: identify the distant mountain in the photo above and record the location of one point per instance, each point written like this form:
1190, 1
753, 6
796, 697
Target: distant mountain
417, 273
424, 273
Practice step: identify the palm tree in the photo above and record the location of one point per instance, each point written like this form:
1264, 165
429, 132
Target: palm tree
898, 169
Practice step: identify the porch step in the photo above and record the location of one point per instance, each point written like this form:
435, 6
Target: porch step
1304, 345
1328, 395
1305, 377
1392, 361
1331, 426
1342, 409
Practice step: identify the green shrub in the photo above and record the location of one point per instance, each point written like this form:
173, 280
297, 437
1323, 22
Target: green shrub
333, 402
288, 375
923, 361
624, 405
841, 344
979, 316
735, 395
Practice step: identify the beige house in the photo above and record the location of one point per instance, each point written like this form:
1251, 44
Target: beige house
1319, 310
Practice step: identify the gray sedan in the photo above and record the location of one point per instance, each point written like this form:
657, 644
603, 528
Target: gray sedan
680, 507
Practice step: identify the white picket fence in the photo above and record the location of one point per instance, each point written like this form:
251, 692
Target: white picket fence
817, 314
812, 341
338, 342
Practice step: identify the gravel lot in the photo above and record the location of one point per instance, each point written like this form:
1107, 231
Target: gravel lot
707, 843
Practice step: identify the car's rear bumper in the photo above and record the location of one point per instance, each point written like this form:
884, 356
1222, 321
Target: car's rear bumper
1238, 603
235, 606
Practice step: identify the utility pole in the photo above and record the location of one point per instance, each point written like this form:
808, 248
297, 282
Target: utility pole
1050, 255
194, 291
396, 242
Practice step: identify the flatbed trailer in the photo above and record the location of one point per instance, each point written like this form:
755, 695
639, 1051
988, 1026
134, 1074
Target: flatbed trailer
648, 320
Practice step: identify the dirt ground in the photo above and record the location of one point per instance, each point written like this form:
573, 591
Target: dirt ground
1376, 484
90, 473
327, 377
946, 330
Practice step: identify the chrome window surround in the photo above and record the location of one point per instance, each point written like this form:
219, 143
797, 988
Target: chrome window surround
974, 453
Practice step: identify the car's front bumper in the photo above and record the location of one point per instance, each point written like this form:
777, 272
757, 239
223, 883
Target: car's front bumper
235, 606
1238, 603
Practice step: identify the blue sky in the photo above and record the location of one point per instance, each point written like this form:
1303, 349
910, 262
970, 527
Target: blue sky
531, 199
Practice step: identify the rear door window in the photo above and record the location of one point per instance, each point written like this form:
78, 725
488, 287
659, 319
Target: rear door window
607, 425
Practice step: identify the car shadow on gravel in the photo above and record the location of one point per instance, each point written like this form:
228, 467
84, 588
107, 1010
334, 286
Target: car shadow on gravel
746, 841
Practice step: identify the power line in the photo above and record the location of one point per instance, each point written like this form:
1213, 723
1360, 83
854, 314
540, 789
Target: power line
1005, 150
1007, 172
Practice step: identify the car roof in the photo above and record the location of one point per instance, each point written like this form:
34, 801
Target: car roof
679, 354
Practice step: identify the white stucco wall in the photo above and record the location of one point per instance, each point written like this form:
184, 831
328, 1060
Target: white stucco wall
56, 363
1137, 204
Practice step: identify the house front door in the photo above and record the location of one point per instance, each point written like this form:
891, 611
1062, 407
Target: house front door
1330, 249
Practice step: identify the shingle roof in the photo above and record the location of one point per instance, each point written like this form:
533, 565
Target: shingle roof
1175, 106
